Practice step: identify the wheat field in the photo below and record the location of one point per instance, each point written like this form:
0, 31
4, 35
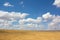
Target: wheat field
29, 35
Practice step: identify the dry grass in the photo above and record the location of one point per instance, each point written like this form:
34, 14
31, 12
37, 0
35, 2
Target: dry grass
29, 35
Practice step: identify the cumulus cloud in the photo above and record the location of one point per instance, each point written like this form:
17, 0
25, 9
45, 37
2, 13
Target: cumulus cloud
52, 21
8, 4
7, 18
18, 20
57, 3
12, 15
47, 15
37, 20
55, 23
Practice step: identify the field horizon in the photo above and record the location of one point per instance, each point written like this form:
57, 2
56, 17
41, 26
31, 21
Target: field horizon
29, 35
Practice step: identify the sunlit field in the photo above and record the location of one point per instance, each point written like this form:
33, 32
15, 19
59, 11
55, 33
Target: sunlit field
29, 35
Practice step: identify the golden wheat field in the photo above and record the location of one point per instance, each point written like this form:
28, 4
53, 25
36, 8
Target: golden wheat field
29, 35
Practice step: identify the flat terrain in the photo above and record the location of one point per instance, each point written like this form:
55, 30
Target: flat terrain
29, 35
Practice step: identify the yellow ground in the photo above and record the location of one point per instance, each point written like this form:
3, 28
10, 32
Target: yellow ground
29, 35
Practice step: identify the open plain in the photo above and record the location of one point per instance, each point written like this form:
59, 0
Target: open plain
29, 35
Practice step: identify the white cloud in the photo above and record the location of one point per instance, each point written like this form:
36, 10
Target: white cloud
38, 20
31, 20
35, 26
55, 23
30, 25
47, 15
8, 4
12, 15
7, 20
57, 3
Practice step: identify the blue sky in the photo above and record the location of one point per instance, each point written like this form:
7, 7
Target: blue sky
34, 9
